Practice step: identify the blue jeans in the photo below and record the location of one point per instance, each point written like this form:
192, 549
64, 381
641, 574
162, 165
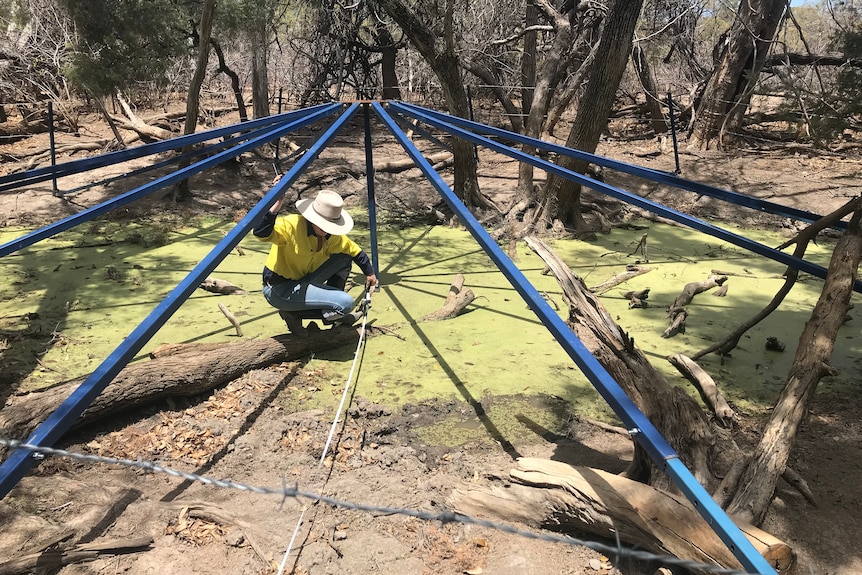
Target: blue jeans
311, 294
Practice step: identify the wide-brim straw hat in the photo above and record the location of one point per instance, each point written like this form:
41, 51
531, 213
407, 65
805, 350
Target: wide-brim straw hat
327, 212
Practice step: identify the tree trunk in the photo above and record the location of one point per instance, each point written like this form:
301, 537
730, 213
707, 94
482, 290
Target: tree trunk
811, 363
645, 75
582, 499
725, 97
442, 57
234, 80
389, 55
563, 197
181, 191
706, 449
259, 75
528, 57
189, 370
545, 82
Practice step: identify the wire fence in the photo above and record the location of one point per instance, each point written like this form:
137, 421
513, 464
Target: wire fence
285, 492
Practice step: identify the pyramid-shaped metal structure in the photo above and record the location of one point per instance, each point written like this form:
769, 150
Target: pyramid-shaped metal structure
231, 141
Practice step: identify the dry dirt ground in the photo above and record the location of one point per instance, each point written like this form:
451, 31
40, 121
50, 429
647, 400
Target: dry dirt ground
256, 432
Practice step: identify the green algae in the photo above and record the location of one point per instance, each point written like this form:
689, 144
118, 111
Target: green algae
70, 300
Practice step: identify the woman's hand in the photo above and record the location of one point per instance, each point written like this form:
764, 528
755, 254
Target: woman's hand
277, 205
371, 282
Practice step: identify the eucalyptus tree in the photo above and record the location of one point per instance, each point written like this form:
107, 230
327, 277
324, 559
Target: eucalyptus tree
740, 56
433, 30
561, 201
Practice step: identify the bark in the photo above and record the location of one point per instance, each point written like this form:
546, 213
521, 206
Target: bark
726, 95
563, 196
186, 372
757, 484
581, 499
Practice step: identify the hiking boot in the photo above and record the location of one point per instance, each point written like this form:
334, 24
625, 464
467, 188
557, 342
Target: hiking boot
351, 318
294, 323
348, 319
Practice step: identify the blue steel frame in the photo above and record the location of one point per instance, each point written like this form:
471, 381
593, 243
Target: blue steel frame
20, 461
694, 223
37, 175
643, 430
121, 200
52, 429
646, 173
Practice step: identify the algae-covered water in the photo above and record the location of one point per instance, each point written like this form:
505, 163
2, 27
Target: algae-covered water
67, 302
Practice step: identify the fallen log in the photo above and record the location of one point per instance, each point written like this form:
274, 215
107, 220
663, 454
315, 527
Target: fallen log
631, 272
31, 537
52, 559
457, 299
705, 386
677, 322
593, 501
146, 131
178, 374
224, 287
693, 288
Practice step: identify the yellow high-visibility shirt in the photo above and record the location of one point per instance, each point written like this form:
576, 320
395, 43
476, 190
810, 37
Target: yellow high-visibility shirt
294, 253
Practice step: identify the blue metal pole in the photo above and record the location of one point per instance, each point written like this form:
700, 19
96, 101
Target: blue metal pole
53, 428
73, 220
647, 173
369, 176
30, 177
647, 435
697, 224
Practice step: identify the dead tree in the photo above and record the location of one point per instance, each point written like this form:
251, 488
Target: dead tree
768, 462
184, 370
707, 449
457, 300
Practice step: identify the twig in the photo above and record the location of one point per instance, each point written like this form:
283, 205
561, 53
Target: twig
230, 317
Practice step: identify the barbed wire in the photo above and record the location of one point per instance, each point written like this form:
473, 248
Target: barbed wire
285, 492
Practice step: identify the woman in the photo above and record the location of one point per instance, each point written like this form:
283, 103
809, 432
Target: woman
309, 261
